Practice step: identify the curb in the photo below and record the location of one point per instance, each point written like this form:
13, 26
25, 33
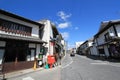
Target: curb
21, 72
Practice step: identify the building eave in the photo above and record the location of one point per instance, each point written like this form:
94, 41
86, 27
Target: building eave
18, 17
28, 39
108, 25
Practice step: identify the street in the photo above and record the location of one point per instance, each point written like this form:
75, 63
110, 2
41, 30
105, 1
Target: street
84, 68
45, 74
76, 68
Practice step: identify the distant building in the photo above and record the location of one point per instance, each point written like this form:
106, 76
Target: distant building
106, 42
77, 44
85, 47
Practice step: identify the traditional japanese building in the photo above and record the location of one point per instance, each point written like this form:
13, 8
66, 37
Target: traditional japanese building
107, 40
20, 41
53, 38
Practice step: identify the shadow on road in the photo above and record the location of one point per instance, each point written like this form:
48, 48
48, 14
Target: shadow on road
115, 60
102, 58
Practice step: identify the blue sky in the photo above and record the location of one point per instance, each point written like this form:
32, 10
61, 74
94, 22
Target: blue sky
76, 20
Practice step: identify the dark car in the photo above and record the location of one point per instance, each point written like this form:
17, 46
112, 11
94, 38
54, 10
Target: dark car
72, 54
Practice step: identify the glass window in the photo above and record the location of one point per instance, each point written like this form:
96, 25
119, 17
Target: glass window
15, 28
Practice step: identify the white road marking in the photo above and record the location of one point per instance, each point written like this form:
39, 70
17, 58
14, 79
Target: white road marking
106, 63
115, 65
68, 64
99, 63
28, 78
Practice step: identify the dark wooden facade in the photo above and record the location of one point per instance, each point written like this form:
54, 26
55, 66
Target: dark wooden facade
17, 38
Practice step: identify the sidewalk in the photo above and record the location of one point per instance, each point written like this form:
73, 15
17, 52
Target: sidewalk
20, 72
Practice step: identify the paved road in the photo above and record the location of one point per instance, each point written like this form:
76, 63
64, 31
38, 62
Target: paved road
45, 74
84, 68
76, 68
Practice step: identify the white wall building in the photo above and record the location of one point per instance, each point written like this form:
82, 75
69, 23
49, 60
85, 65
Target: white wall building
85, 47
47, 35
93, 49
77, 44
108, 38
53, 38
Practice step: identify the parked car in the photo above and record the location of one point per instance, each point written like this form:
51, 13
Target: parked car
72, 54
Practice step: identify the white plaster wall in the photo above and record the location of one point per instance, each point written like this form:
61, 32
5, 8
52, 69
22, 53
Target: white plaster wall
95, 42
51, 49
35, 28
2, 51
111, 31
46, 36
37, 50
94, 50
35, 32
47, 33
84, 47
118, 29
101, 38
32, 55
51, 35
106, 51
90, 43
31, 45
63, 42
91, 50
2, 44
51, 31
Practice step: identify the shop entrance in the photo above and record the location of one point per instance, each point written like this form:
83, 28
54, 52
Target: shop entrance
16, 51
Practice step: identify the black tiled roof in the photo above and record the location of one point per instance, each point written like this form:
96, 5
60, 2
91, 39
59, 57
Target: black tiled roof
105, 25
18, 17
